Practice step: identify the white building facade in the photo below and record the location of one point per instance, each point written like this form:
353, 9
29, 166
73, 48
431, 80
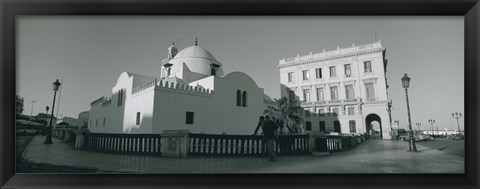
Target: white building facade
190, 93
345, 89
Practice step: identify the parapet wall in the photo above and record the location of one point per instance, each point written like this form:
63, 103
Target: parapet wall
172, 86
183, 88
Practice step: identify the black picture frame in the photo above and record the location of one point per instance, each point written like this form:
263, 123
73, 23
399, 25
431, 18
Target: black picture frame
9, 9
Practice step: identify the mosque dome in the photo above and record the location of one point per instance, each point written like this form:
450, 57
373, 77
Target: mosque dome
195, 52
197, 59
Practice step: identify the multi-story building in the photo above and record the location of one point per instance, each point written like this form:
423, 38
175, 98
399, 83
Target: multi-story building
346, 88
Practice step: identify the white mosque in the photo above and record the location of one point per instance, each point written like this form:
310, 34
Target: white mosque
190, 93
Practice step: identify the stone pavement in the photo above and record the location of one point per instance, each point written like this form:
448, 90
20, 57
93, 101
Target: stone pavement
375, 156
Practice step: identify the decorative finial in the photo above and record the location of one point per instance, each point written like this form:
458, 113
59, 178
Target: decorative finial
196, 41
173, 43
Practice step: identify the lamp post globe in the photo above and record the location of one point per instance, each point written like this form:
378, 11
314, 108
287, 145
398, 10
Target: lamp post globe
406, 83
457, 116
418, 125
48, 139
431, 121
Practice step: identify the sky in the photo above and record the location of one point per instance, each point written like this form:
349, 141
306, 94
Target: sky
88, 53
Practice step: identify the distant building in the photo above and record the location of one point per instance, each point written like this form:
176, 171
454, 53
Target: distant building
189, 93
47, 118
83, 118
346, 87
81, 121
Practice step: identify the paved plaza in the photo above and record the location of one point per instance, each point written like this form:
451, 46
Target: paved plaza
374, 156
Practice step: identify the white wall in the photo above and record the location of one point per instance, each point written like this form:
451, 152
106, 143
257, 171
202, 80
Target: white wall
140, 102
231, 118
171, 105
113, 113
215, 113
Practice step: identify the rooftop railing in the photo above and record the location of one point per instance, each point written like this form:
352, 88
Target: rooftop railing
338, 51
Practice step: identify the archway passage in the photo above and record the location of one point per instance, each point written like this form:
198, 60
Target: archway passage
373, 118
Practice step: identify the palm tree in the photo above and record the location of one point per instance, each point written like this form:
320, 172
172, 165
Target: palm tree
287, 113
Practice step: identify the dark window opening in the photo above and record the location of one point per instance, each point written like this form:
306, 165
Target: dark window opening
348, 70
120, 98
244, 99
213, 71
318, 73
239, 98
189, 118
322, 126
336, 126
138, 118
308, 126
367, 66
353, 127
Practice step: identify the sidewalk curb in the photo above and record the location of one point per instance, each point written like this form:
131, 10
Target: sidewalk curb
25, 161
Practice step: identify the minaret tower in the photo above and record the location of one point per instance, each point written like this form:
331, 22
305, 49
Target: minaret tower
172, 51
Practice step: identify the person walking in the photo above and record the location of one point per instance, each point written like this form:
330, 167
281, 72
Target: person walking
261, 122
269, 134
372, 133
394, 135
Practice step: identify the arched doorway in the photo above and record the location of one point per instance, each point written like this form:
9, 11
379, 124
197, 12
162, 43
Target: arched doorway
374, 121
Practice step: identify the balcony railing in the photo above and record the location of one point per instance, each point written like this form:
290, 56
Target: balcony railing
350, 100
149, 144
371, 99
346, 101
334, 101
306, 103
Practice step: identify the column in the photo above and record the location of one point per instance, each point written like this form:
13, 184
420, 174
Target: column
80, 140
67, 135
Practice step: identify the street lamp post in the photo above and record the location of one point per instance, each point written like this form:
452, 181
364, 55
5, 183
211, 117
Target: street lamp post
431, 121
31, 110
406, 84
46, 117
390, 116
48, 139
418, 125
457, 116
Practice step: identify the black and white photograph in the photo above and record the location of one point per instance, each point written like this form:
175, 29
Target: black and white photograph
240, 94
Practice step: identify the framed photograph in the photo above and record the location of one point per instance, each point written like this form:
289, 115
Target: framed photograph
239, 94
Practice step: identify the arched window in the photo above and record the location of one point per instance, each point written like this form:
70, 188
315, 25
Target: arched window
120, 98
244, 99
239, 98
